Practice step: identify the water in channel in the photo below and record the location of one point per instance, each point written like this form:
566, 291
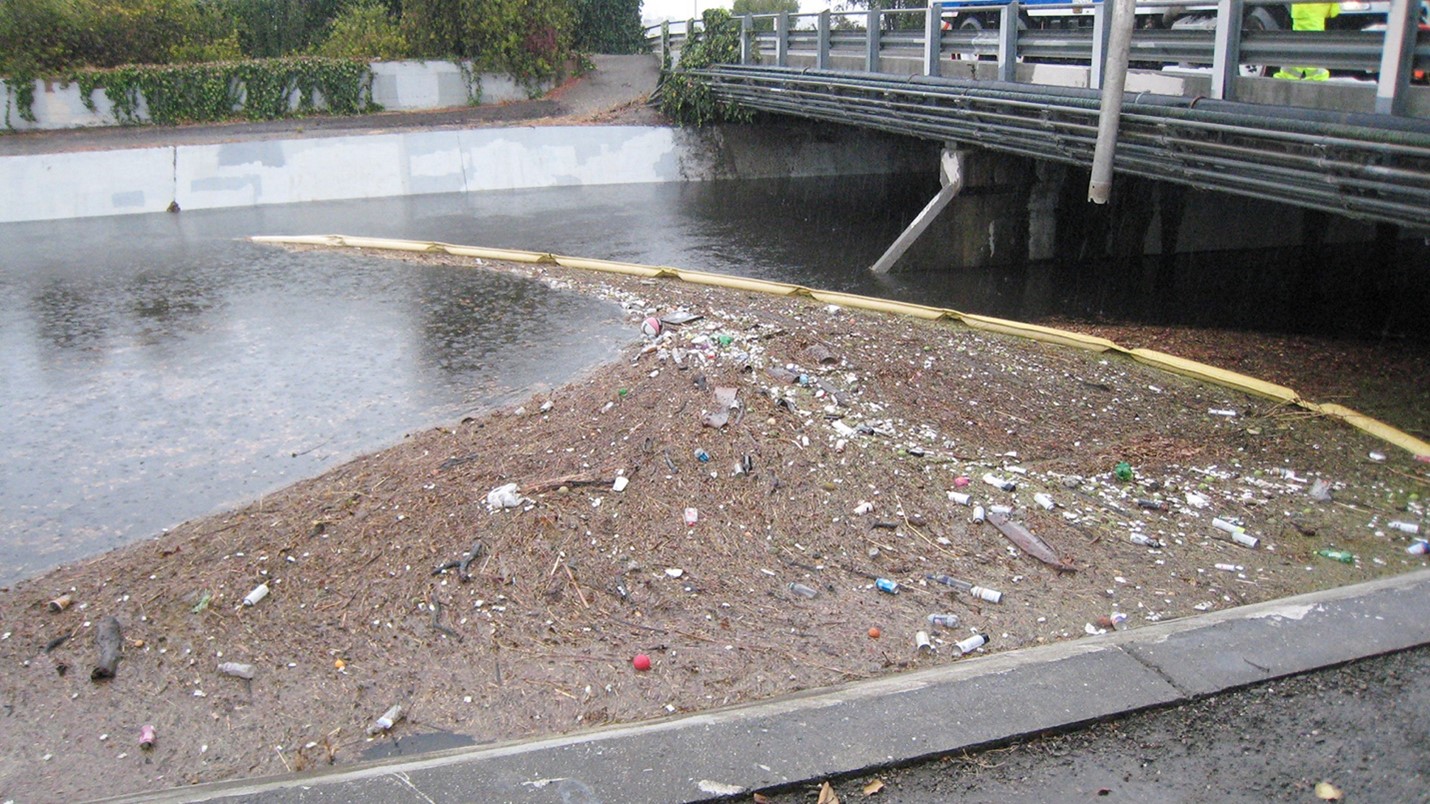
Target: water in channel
158, 368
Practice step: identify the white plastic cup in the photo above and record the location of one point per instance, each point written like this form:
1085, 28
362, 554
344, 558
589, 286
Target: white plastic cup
978, 514
1044, 500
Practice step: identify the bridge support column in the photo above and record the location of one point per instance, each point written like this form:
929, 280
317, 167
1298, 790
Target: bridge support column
987, 222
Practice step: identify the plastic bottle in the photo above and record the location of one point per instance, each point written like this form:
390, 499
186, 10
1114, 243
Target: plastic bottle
387, 721
1411, 528
887, 586
237, 670
971, 644
1045, 500
1419, 547
259, 592
1237, 533
1145, 541
1343, 556
943, 620
802, 590
980, 592
999, 483
701, 455
959, 497
1152, 505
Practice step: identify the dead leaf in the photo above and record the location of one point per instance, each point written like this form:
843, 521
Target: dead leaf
827, 795
873, 787
761, 798
1328, 792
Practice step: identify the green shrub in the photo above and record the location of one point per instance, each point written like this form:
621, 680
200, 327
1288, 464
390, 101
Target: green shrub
364, 31
609, 26
686, 99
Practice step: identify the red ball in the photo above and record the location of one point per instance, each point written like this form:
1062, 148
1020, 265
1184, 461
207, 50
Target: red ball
641, 662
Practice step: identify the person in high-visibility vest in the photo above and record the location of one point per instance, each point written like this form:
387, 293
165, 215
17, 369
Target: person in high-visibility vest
1309, 17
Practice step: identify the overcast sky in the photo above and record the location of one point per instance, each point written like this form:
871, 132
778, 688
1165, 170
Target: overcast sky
656, 10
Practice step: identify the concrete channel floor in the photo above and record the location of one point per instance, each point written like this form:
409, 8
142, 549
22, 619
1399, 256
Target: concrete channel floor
977, 702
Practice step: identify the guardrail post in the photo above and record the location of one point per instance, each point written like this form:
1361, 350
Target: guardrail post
933, 38
747, 30
1226, 51
821, 61
1395, 57
1008, 42
782, 39
1099, 45
871, 42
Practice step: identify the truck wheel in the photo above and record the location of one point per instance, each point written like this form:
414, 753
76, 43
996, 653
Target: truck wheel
1258, 19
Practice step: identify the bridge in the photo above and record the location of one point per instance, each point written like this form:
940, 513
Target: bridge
1197, 106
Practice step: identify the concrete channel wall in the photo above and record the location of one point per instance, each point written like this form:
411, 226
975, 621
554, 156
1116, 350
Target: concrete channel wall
284, 171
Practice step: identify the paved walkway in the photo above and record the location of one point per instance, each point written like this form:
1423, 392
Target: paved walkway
893, 720
618, 82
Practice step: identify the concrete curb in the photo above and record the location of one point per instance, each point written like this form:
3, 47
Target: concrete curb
892, 720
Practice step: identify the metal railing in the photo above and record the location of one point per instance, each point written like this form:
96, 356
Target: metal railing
1372, 165
916, 37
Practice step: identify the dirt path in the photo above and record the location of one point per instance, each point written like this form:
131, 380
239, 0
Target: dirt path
832, 469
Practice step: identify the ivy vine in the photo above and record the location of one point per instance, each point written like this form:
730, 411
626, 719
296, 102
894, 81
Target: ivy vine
267, 89
688, 100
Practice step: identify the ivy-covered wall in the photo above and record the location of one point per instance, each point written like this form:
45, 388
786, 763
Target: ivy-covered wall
398, 86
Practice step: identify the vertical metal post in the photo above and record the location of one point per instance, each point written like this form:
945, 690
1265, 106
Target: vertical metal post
665, 41
782, 39
1008, 42
821, 61
871, 32
1226, 52
933, 37
747, 30
1395, 56
1100, 29
1124, 18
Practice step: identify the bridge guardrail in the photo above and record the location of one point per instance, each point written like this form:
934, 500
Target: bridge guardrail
1391, 54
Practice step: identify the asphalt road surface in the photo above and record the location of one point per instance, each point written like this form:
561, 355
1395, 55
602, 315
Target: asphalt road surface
1364, 728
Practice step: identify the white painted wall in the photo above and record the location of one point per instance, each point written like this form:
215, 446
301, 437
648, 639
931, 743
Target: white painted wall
396, 86
260, 172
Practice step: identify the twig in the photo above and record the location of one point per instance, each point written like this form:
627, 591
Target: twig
437, 621
579, 594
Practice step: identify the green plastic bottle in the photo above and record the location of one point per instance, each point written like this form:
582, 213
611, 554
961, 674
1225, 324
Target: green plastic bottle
1343, 556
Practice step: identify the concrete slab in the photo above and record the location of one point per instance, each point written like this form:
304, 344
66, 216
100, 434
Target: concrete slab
1293, 635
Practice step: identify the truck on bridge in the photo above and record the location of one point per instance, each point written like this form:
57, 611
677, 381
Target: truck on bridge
1061, 14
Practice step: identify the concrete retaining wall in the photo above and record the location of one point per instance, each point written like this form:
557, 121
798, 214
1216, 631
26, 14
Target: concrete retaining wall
396, 86
261, 172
